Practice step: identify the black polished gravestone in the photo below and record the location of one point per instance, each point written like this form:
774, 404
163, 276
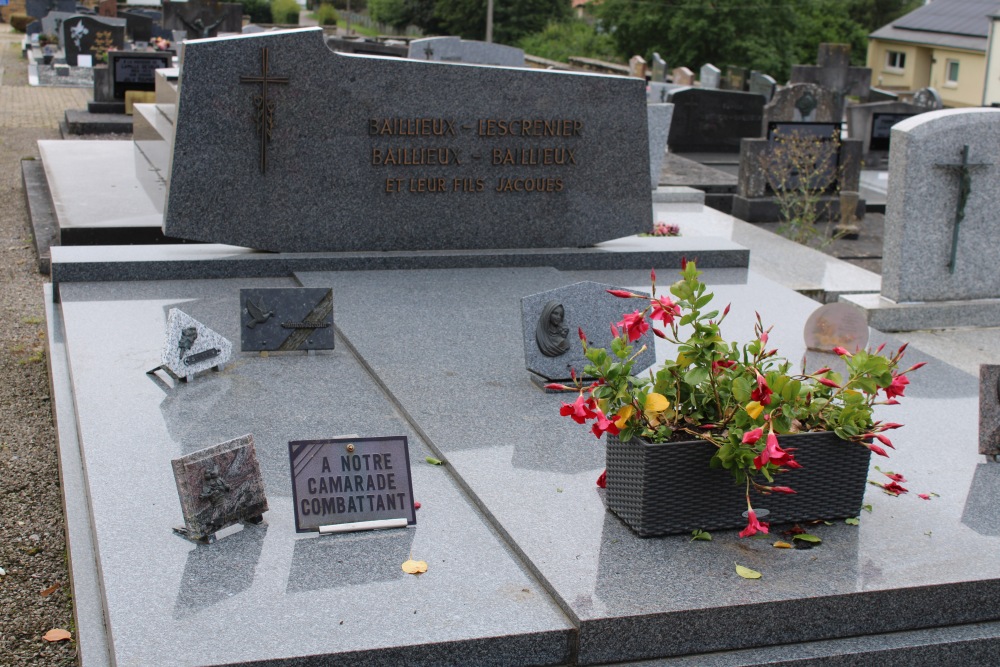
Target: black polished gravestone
136, 70
713, 121
91, 36
282, 144
284, 319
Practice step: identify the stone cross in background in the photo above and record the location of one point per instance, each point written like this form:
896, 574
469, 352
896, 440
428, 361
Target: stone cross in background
833, 71
964, 171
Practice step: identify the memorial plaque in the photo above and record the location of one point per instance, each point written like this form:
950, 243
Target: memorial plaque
713, 121
551, 321
286, 319
350, 480
136, 70
191, 347
882, 129
836, 325
218, 487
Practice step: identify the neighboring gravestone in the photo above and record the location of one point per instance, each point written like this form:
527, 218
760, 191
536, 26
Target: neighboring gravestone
90, 36
710, 76
682, 76
801, 103
762, 84
41, 8
928, 99
989, 411
659, 73
833, 71
942, 240
458, 50
735, 78
52, 24
637, 67
219, 487
658, 119
551, 322
285, 319
713, 121
203, 18
190, 347
347, 154
872, 124
108, 8
139, 24
136, 70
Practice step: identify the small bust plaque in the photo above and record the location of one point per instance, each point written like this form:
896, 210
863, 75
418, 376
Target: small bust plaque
363, 482
219, 486
286, 319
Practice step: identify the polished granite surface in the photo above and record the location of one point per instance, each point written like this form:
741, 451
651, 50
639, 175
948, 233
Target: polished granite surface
513, 523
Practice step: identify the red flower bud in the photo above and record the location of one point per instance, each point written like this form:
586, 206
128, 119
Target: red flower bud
602, 481
828, 383
915, 366
621, 294
652, 276
557, 387
658, 333
841, 351
825, 369
726, 310
579, 332
885, 441
875, 448
781, 489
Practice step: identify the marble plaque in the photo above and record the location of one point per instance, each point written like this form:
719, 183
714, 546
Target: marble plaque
286, 318
350, 480
191, 347
218, 487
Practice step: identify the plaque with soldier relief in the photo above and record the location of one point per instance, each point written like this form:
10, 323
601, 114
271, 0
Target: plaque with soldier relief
285, 319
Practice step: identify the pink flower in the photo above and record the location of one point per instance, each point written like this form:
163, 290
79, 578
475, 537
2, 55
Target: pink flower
894, 488
774, 454
924, 496
634, 325
762, 394
897, 387
664, 310
895, 476
722, 363
602, 481
763, 338
604, 425
579, 410
753, 525
750, 437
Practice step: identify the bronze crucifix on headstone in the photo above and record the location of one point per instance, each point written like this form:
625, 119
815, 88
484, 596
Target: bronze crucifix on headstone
964, 171
263, 105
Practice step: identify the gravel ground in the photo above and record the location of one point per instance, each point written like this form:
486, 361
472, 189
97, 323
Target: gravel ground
32, 541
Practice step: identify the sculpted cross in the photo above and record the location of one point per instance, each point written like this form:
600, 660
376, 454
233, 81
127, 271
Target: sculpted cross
964, 171
263, 105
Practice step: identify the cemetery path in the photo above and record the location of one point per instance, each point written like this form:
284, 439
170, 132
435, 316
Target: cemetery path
34, 590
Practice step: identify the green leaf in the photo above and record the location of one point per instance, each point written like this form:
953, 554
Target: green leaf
806, 537
703, 301
433, 461
867, 508
696, 376
852, 521
700, 535
746, 572
741, 389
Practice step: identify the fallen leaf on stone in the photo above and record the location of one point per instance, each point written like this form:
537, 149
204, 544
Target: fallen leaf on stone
746, 572
50, 590
852, 520
806, 537
781, 545
57, 635
414, 566
433, 461
700, 535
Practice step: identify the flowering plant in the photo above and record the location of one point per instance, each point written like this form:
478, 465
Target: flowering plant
739, 398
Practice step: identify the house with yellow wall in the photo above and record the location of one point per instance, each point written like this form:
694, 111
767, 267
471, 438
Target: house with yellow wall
942, 44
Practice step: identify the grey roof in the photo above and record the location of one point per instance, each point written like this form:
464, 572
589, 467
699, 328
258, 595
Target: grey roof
962, 24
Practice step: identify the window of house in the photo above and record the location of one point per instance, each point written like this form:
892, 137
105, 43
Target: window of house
951, 72
895, 60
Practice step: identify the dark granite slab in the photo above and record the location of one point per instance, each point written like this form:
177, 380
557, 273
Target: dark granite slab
370, 153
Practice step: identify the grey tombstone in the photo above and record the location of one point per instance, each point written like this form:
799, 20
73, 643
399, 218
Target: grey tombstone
91, 36
658, 120
762, 84
989, 411
286, 319
190, 347
139, 24
682, 76
135, 70
872, 123
218, 487
735, 78
659, 72
41, 8
203, 18
713, 121
355, 157
52, 24
833, 71
802, 103
710, 76
942, 240
551, 322
928, 99
458, 50
637, 67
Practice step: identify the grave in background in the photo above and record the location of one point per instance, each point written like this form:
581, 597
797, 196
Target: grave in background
203, 18
872, 123
713, 121
92, 37
458, 50
710, 76
833, 71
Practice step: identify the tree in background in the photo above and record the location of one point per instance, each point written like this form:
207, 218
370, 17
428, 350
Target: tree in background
512, 19
393, 12
562, 39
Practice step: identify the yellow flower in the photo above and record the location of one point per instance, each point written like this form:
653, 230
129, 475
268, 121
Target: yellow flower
754, 409
656, 403
624, 413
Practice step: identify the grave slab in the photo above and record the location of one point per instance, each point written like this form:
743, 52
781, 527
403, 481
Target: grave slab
560, 160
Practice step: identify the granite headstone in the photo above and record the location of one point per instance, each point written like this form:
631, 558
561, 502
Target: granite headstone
871, 123
941, 237
637, 67
802, 102
218, 487
139, 24
551, 322
458, 50
658, 118
41, 8
714, 121
285, 319
989, 411
659, 69
91, 36
762, 84
735, 78
190, 347
682, 76
710, 76
350, 155
136, 70
834, 72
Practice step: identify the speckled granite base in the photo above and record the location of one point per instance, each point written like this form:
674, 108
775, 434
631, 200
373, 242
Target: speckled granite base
887, 315
527, 480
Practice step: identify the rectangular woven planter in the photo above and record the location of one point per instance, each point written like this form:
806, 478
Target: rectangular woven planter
668, 488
